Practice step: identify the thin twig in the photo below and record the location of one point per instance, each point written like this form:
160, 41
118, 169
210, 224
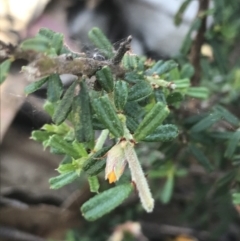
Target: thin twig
195, 52
123, 48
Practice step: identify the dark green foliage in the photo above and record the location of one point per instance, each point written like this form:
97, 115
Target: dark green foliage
62, 180
105, 78
55, 88
4, 68
105, 202
163, 133
120, 94
62, 146
139, 102
151, 121
35, 86
82, 118
201, 158
64, 106
55, 40
101, 42
38, 44
139, 91
96, 162
106, 113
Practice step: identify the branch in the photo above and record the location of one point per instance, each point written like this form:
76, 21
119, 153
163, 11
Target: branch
41, 65
195, 52
46, 65
123, 48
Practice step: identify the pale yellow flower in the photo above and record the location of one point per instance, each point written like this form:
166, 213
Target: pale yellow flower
116, 162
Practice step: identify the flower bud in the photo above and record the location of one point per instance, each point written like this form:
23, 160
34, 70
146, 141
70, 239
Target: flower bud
116, 162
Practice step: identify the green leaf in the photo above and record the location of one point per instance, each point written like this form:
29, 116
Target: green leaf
96, 162
179, 15
101, 42
80, 148
38, 44
55, 88
232, 144
151, 121
174, 97
62, 180
66, 168
134, 110
156, 66
167, 190
62, 129
105, 202
97, 124
165, 67
40, 136
82, 116
132, 77
182, 83
63, 146
163, 133
35, 86
64, 106
4, 69
132, 125
236, 198
56, 39
160, 96
201, 158
93, 184
107, 114
228, 116
130, 61
227, 179
139, 91
206, 122
120, 94
105, 78
173, 74
49, 107
198, 92
187, 71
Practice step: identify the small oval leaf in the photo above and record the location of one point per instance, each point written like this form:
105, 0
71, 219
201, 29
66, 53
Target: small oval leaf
62, 146
35, 86
93, 184
151, 121
105, 202
105, 78
201, 158
108, 116
120, 94
55, 88
101, 42
163, 133
4, 69
82, 115
38, 43
139, 91
64, 106
96, 162
62, 180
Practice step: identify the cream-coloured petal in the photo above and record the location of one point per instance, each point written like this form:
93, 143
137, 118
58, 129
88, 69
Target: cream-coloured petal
115, 162
139, 178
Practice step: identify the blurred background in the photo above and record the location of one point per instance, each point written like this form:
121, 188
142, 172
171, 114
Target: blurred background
29, 210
